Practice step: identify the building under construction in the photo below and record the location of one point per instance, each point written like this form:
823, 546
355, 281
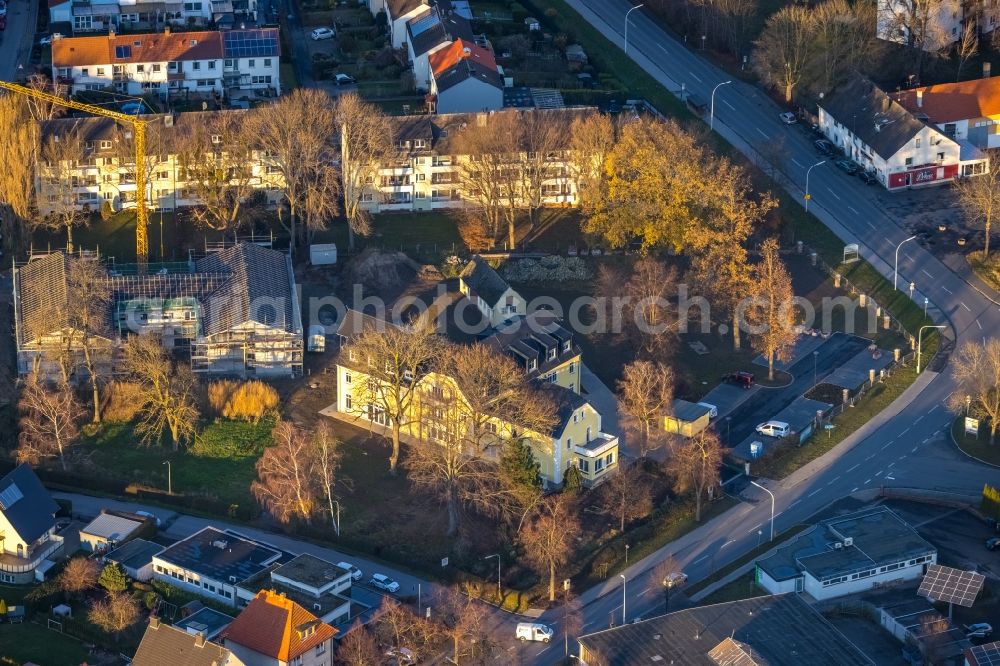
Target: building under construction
234, 311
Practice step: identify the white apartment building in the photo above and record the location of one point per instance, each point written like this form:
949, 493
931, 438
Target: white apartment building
168, 64
934, 25
426, 172
114, 15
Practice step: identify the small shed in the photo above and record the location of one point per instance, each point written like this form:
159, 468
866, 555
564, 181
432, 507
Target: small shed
107, 531
575, 53
323, 254
136, 558
687, 418
532, 24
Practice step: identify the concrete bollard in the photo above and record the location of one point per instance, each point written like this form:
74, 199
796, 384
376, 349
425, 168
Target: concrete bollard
862, 299
846, 396
886, 322
871, 376
896, 354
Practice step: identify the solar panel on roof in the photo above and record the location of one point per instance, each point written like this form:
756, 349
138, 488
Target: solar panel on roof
986, 655
942, 583
9, 496
250, 43
423, 25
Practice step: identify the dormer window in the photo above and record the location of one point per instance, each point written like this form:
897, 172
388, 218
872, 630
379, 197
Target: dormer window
552, 353
532, 364
566, 346
419, 143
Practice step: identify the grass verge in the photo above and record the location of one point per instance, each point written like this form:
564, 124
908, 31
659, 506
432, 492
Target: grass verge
988, 270
746, 559
977, 447
742, 588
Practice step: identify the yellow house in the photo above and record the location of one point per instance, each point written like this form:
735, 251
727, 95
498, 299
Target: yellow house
542, 347
687, 420
438, 406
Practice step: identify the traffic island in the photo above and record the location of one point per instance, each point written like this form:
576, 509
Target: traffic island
977, 447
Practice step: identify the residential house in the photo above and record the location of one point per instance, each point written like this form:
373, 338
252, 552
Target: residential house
540, 345
206, 621
575, 439
883, 137
398, 13
273, 630
163, 645
426, 171
320, 586
490, 293
168, 64
964, 111
437, 27
107, 531
212, 563
114, 15
106, 170
465, 78
773, 630
136, 558
28, 539
847, 554
234, 311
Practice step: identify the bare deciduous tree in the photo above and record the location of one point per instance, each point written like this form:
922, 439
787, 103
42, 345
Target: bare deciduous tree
844, 39
487, 169
60, 155
695, 467
916, 24
325, 464
666, 575
18, 152
977, 371
549, 539
169, 392
87, 305
649, 310
627, 495
771, 309
79, 575
115, 613
784, 48
461, 620
366, 143
645, 394
358, 647
979, 197
394, 359
284, 475
592, 138
49, 423
966, 47
541, 141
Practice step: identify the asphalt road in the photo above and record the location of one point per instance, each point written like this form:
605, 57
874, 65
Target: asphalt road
15, 41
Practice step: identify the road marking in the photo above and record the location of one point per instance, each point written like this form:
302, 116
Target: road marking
833, 193
663, 48
903, 433
796, 163
754, 528
854, 489
914, 449
926, 273
761, 133
695, 77
853, 210
644, 592
729, 105
948, 290
831, 481
703, 557
727, 543
965, 306
853, 468
867, 481
917, 420
813, 492
889, 478
878, 473
902, 457
979, 325
869, 223
870, 457
885, 447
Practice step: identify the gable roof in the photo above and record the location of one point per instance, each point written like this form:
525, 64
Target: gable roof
733, 653
873, 116
26, 504
566, 402
398, 8
462, 60
110, 526
483, 281
163, 645
40, 286
948, 102
150, 47
275, 626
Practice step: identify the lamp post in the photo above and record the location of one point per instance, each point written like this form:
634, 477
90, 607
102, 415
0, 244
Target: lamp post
711, 114
772, 506
808, 196
729, 420
815, 361
667, 584
626, 24
622, 576
926, 301
920, 336
170, 479
895, 270
626, 554
499, 595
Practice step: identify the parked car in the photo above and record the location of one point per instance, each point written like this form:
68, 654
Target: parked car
847, 166
788, 118
533, 631
978, 630
713, 411
344, 79
868, 177
322, 33
676, 578
356, 573
823, 147
777, 429
401, 656
740, 378
383, 582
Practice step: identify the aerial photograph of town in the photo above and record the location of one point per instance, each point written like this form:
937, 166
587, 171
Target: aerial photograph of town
499, 332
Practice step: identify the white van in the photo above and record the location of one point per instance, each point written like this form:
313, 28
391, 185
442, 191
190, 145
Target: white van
776, 429
532, 631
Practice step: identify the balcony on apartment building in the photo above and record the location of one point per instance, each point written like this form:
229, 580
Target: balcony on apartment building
594, 467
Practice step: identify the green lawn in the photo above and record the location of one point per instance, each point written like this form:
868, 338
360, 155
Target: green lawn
988, 270
20, 643
978, 447
741, 588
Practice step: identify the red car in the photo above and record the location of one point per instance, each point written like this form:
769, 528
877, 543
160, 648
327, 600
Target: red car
740, 378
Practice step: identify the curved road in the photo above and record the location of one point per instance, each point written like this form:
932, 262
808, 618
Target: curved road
908, 445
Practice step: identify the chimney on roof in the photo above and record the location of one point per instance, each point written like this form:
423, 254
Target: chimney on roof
166, 30
111, 32
154, 622
920, 98
466, 51
986, 69
199, 639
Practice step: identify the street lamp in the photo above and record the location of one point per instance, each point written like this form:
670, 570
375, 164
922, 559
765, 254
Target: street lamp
622, 576
926, 301
499, 595
729, 441
815, 360
772, 506
626, 554
920, 335
626, 24
808, 196
668, 583
711, 115
895, 270
170, 479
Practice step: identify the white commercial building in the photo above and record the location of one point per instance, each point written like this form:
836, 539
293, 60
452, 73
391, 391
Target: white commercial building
847, 554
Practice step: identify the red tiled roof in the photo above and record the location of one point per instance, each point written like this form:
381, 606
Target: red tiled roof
275, 626
459, 50
154, 47
948, 102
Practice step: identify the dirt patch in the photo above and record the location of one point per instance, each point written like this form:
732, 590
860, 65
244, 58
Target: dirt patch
383, 274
